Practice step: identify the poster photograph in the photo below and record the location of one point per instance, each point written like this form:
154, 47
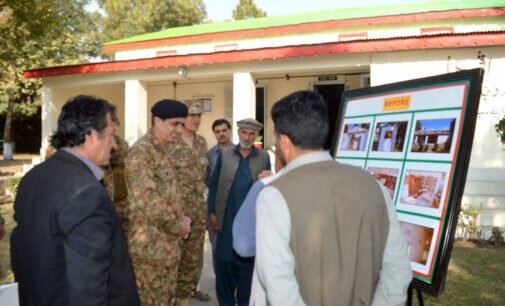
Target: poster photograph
434, 134
355, 137
415, 138
390, 134
421, 237
387, 174
424, 188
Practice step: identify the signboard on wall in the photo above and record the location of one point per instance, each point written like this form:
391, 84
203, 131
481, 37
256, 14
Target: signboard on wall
415, 137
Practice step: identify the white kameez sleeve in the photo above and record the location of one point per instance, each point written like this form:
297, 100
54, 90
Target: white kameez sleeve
275, 263
396, 273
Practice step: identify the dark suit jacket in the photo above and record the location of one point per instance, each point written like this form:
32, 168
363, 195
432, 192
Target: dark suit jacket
68, 247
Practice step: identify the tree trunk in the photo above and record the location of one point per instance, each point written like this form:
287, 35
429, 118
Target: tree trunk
8, 150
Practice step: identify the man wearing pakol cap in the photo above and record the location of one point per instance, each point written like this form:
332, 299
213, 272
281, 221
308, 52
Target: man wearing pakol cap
188, 155
155, 216
236, 170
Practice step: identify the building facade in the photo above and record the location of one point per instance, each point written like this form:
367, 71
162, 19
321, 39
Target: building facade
239, 69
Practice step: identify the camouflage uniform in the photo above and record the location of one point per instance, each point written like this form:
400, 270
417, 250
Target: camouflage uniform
2, 224
191, 165
115, 182
154, 216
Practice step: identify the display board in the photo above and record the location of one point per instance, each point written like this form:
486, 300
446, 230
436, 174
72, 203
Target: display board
415, 137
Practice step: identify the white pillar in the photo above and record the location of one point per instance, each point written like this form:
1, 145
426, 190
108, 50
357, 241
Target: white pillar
135, 110
244, 99
49, 119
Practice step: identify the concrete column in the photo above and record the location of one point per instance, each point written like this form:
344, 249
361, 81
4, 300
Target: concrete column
244, 99
135, 110
49, 119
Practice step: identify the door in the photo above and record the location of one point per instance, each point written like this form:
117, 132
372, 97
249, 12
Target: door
332, 94
260, 113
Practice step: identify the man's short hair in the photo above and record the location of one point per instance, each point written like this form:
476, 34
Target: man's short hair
220, 122
303, 117
79, 116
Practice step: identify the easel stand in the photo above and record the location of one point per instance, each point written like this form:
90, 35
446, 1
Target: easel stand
419, 296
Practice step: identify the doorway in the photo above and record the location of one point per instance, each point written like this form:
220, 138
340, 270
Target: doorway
260, 114
332, 94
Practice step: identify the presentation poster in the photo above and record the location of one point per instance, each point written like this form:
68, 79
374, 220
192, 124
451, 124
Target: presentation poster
415, 137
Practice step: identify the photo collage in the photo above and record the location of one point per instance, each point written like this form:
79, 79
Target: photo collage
410, 154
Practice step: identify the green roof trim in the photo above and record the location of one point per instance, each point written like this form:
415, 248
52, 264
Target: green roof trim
327, 15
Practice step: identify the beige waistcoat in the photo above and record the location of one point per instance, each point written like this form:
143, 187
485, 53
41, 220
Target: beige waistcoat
339, 227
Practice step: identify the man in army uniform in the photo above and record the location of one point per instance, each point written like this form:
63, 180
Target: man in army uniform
155, 217
2, 227
188, 154
2, 234
115, 182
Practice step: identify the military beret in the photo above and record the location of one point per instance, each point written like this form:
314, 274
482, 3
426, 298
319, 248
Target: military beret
249, 123
168, 108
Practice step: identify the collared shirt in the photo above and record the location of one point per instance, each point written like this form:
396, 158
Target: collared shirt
97, 172
211, 199
275, 261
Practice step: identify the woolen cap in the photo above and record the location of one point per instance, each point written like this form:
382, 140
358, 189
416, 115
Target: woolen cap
249, 123
167, 108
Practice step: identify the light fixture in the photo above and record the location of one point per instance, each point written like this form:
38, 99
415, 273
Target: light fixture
182, 72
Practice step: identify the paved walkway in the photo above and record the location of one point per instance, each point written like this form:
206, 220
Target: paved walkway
208, 280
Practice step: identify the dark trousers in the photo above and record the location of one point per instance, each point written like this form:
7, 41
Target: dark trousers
234, 276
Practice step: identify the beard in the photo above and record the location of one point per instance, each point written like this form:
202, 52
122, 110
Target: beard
245, 145
281, 158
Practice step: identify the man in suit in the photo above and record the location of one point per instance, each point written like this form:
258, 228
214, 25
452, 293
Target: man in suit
68, 247
236, 170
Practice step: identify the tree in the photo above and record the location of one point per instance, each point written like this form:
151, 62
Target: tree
125, 18
247, 9
34, 34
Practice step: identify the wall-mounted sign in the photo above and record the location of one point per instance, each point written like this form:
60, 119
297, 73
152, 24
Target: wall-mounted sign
415, 138
327, 78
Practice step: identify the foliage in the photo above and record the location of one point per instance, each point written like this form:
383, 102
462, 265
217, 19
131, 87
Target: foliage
500, 129
468, 227
247, 9
127, 18
13, 184
496, 238
35, 34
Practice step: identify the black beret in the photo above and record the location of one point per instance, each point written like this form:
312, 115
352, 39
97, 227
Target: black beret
168, 108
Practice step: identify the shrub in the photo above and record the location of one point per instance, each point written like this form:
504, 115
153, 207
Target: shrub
467, 222
13, 183
500, 129
496, 238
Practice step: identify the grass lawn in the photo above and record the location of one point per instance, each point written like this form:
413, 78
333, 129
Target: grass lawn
476, 275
